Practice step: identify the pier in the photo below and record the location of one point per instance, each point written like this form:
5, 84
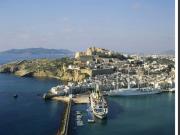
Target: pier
64, 124
63, 130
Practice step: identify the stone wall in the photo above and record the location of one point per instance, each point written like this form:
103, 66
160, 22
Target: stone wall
102, 71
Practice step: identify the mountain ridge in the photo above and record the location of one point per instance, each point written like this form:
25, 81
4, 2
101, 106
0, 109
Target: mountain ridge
37, 51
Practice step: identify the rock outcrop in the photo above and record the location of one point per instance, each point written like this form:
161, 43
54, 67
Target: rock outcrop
44, 68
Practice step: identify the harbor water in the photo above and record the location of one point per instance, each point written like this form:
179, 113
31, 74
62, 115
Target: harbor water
138, 115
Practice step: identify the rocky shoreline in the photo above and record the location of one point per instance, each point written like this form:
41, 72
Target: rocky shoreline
44, 68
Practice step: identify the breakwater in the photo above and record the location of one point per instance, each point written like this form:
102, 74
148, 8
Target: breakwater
63, 130
64, 124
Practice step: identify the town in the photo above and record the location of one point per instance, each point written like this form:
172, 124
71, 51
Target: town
114, 70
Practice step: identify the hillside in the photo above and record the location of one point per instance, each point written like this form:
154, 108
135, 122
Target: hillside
44, 68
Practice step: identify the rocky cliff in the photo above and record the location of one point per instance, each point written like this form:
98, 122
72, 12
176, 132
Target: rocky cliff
44, 68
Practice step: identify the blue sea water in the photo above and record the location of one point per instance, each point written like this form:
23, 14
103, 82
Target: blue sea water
29, 114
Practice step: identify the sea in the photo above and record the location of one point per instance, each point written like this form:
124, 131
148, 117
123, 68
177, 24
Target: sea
29, 114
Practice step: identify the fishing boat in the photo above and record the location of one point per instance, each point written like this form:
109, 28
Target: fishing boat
15, 96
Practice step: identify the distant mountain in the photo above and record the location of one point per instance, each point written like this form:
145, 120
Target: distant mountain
37, 51
167, 52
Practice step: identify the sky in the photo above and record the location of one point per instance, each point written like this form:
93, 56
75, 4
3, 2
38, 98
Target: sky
120, 25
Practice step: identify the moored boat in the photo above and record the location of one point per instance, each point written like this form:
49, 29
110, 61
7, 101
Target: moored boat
98, 104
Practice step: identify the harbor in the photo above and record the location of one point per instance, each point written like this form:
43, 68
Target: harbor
80, 99
128, 113
123, 112
96, 106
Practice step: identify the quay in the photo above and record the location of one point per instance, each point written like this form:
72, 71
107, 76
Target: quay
79, 99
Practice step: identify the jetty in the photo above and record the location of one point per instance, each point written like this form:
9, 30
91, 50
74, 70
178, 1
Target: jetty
63, 129
79, 99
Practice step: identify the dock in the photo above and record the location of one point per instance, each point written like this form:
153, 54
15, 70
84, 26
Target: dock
79, 99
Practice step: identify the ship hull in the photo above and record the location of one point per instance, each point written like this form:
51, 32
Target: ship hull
101, 114
132, 92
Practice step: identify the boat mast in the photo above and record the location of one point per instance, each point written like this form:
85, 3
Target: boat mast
128, 78
117, 87
148, 77
138, 78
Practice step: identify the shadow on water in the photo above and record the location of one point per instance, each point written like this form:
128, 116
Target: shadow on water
72, 126
114, 109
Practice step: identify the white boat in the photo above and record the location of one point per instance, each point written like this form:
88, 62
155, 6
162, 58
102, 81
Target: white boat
90, 115
172, 90
98, 104
79, 123
133, 91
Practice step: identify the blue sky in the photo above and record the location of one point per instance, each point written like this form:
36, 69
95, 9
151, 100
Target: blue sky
122, 25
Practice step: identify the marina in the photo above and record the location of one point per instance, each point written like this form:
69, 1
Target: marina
129, 113
81, 119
